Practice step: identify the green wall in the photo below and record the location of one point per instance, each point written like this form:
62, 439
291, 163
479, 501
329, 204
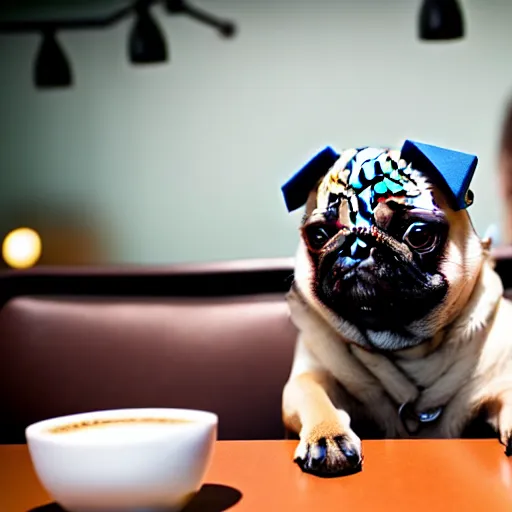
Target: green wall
183, 162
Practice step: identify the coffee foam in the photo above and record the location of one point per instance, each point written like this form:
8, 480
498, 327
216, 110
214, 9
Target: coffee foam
116, 428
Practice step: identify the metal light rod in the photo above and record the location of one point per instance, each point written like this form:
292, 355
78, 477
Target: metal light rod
226, 28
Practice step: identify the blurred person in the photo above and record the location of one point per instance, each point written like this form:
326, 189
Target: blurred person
505, 175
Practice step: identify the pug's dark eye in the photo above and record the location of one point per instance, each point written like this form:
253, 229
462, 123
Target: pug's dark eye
318, 235
421, 237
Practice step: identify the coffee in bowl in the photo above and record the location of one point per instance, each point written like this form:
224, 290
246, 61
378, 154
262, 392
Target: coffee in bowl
123, 460
80, 426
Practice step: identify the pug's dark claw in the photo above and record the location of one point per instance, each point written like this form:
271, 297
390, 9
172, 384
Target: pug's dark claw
350, 452
508, 447
337, 457
318, 454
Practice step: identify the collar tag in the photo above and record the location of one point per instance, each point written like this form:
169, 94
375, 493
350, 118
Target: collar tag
408, 415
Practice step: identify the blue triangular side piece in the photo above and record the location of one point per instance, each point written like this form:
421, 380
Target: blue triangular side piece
298, 187
450, 170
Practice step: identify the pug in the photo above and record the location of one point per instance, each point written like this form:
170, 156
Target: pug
402, 325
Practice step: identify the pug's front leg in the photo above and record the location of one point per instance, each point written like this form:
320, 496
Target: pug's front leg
328, 446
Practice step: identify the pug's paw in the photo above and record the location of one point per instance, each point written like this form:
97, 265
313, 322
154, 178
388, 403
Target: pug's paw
506, 440
503, 426
329, 450
508, 447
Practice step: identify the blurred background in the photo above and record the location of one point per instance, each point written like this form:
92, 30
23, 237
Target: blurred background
182, 161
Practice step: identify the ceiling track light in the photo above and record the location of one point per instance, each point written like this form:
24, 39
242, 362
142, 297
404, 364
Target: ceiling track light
441, 20
146, 43
51, 67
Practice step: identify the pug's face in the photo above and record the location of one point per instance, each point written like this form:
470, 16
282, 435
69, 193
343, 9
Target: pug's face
383, 256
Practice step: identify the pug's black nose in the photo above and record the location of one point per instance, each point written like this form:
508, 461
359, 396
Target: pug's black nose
360, 250
358, 253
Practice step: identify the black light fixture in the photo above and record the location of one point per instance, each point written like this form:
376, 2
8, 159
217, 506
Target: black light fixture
441, 20
51, 67
146, 42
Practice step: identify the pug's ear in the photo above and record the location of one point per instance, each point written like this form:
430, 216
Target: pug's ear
296, 190
452, 171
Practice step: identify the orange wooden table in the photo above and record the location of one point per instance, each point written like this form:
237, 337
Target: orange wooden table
412, 476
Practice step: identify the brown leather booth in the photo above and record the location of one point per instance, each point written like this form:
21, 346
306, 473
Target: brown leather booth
210, 336
214, 337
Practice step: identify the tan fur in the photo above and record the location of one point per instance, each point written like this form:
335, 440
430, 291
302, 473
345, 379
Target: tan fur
465, 366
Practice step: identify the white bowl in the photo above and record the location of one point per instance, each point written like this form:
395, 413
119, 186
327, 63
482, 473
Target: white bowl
123, 463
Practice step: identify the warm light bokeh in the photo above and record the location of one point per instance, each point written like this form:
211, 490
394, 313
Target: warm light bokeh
21, 248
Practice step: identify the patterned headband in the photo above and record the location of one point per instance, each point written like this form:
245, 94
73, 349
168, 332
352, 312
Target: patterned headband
371, 174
